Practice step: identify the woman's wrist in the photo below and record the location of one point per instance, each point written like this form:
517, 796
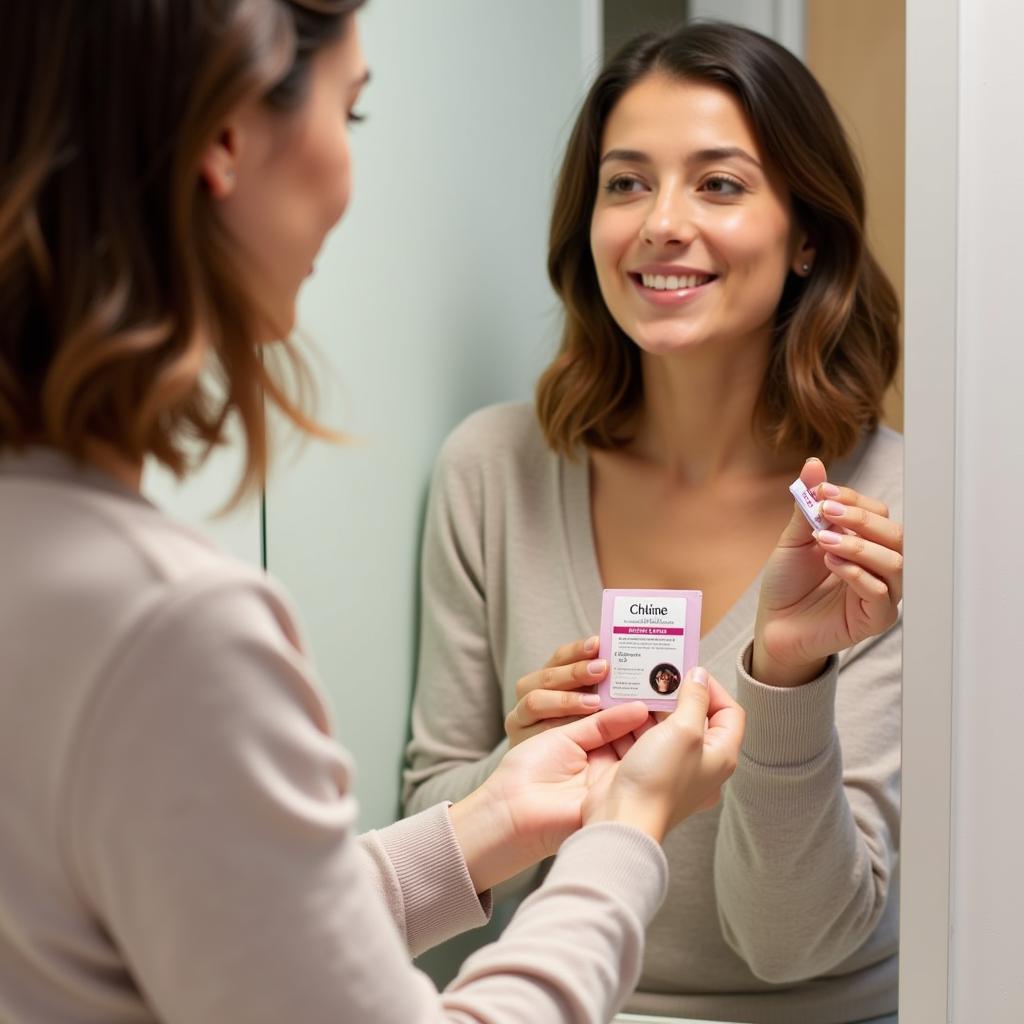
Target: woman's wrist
772, 672
485, 834
640, 814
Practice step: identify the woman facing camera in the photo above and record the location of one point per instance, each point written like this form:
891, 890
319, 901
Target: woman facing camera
177, 830
726, 330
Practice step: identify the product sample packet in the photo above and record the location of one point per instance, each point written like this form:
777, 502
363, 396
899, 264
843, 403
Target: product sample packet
809, 505
650, 640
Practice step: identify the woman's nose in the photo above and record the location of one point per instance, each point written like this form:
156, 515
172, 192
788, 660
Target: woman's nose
669, 220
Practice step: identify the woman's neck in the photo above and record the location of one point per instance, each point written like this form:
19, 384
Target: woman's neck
697, 420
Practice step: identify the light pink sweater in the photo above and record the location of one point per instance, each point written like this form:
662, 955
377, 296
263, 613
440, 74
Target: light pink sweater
177, 831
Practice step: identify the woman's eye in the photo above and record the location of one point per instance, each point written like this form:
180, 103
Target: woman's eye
354, 118
623, 186
720, 185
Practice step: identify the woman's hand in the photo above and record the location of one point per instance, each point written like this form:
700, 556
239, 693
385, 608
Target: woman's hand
824, 591
677, 767
558, 692
534, 799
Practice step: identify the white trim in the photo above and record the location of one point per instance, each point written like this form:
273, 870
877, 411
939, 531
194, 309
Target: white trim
930, 488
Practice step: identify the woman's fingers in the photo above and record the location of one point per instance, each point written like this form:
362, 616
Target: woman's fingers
881, 562
578, 650
607, 726
539, 705
865, 549
569, 676
880, 596
848, 496
561, 689
865, 522
674, 769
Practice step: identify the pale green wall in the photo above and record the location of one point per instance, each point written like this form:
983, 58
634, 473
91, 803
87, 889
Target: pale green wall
430, 301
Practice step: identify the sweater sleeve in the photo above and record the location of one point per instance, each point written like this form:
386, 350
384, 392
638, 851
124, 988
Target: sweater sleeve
418, 872
458, 729
210, 830
808, 839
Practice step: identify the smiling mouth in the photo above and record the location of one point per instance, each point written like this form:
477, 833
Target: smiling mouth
672, 283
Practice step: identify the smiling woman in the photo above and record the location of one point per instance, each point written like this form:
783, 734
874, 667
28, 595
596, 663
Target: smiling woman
693, 196
724, 320
709, 124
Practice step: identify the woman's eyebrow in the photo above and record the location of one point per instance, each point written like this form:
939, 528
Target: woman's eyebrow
702, 156
706, 156
632, 156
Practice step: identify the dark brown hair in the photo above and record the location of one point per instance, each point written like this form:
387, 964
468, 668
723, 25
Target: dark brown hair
122, 317
836, 340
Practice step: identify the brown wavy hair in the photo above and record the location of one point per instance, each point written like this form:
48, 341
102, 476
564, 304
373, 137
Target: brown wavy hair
836, 340
124, 317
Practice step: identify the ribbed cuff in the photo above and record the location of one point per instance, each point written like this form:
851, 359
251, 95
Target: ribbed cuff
786, 725
619, 859
437, 891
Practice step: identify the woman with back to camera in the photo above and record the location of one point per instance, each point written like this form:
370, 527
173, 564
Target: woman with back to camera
177, 825
724, 320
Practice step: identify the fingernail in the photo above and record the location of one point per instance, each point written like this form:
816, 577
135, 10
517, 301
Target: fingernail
591, 645
827, 537
590, 700
699, 675
811, 458
596, 667
833, 508
827, 490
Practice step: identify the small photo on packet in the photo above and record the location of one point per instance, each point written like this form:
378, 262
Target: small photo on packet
650, 639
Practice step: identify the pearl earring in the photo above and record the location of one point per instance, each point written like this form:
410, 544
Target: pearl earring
805, 267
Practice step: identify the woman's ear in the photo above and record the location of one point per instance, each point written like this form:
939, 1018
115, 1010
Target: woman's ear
803, 257
218, 168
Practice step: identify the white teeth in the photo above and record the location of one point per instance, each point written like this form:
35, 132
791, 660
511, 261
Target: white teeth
671, 283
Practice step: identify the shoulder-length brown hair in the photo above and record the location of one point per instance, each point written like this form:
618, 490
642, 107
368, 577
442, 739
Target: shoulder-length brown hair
123, 318
836, 340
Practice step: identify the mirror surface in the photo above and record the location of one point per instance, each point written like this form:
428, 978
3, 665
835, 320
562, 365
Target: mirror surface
432, 301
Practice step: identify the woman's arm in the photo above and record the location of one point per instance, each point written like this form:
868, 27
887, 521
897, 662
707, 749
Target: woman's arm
210, 829
809, 834
808, 846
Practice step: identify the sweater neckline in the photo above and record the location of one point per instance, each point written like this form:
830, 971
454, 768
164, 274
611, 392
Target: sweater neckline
51, 465
574, 488
585, 574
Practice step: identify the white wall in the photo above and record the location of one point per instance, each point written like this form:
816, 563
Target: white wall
988, 835
430, 301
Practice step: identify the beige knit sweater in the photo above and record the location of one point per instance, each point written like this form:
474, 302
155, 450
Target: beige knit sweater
783, 903
177, 831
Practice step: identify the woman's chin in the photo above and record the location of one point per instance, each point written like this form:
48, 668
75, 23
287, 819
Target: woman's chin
668, 343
